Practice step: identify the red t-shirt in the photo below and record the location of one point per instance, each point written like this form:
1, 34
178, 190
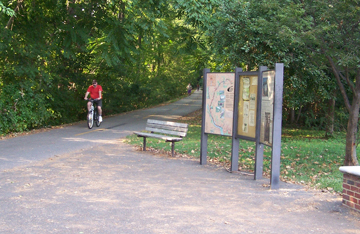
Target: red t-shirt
94, 92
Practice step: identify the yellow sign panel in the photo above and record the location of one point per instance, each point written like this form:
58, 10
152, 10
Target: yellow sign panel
247, 106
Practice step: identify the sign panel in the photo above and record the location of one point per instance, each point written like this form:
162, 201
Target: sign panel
247, 106
267, 107
219, 103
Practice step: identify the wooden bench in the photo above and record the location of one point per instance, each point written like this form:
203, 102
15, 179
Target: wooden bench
165, 130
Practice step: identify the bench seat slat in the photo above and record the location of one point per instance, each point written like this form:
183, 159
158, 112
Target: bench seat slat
163, 137
164, 131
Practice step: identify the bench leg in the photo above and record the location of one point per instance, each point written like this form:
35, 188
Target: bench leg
144, 144
172, 148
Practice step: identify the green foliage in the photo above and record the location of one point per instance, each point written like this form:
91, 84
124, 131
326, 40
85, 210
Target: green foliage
302, 35
6, 10
142, 53
198, 12
22, 107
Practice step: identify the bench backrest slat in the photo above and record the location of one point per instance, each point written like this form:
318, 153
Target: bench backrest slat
167, 127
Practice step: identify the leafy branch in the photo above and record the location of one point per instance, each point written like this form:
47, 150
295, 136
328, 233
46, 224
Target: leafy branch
6, 10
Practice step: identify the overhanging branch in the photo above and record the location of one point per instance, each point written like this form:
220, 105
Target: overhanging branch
11, 20
348, 81
341, 86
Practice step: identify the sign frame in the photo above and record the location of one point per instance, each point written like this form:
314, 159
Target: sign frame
204, 134
240, 101
267, 107
225, 105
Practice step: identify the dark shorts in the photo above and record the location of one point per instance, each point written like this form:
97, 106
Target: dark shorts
98, 102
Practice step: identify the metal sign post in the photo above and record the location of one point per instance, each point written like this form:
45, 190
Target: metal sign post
277, 121
235, 141
204, 136
259, 151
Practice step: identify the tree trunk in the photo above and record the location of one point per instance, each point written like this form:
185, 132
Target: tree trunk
350, 155
350, 150
292, 115
330, 117
298, 116
121, 14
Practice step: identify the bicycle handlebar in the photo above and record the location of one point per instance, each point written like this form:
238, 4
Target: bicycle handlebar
91, 100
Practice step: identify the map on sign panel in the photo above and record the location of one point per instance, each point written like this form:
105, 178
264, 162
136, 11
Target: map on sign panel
219, 103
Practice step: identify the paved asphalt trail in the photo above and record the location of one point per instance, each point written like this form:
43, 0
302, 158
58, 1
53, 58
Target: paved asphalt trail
69, 181
27, 149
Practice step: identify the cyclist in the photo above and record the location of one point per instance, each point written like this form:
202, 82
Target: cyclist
95, 91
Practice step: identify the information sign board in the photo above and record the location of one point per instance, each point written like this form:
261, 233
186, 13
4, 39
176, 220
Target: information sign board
247, 107
219, 103
267, 107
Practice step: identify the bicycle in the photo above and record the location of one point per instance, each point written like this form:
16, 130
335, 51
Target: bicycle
93, 115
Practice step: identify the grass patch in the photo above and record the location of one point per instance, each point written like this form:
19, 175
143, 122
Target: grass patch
306, 156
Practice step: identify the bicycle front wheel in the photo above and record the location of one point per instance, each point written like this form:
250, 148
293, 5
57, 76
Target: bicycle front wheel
90, 120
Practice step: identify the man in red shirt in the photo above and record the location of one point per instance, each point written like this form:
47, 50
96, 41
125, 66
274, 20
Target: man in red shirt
95, 93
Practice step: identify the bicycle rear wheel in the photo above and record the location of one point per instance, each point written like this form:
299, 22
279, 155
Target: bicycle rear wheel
90, 120
97, 122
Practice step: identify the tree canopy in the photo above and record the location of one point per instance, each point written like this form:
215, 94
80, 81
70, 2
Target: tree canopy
145, 52
142, 53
